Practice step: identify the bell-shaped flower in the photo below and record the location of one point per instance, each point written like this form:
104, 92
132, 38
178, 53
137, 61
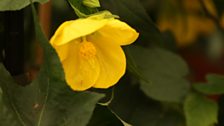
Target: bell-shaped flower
90, 51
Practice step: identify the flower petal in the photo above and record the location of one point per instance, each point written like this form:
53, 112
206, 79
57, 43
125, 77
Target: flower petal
81, 74
119, 32
111, 59
74, 29
67, 50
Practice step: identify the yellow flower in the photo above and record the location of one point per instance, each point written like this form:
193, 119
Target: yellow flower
186, 21
90, 51
187, 29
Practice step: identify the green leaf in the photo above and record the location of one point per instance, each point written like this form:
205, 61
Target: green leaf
8, 111
165, 72
214, 86
131, 65
132, 12
200, 111
7, 5
135, 108
33, 106
80, 9
26, 102
69, 109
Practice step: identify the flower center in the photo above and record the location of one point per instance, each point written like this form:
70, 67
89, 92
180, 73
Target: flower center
87, 50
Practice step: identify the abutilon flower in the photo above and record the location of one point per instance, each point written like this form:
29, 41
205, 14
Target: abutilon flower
90, 50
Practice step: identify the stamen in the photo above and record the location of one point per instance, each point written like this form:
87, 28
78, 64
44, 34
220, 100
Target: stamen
87, 49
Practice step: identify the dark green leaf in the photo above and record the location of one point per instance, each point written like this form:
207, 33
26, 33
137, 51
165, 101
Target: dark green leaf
9, 5
215, 85
200, 111
164, 72
131, 65
25, 101
102, 116
10, 115
35, 106
69, 109
80, 9
135, 108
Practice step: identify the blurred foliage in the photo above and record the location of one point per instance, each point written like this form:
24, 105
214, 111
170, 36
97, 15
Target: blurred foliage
11, 5
200, 111
214, 85
157, 89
